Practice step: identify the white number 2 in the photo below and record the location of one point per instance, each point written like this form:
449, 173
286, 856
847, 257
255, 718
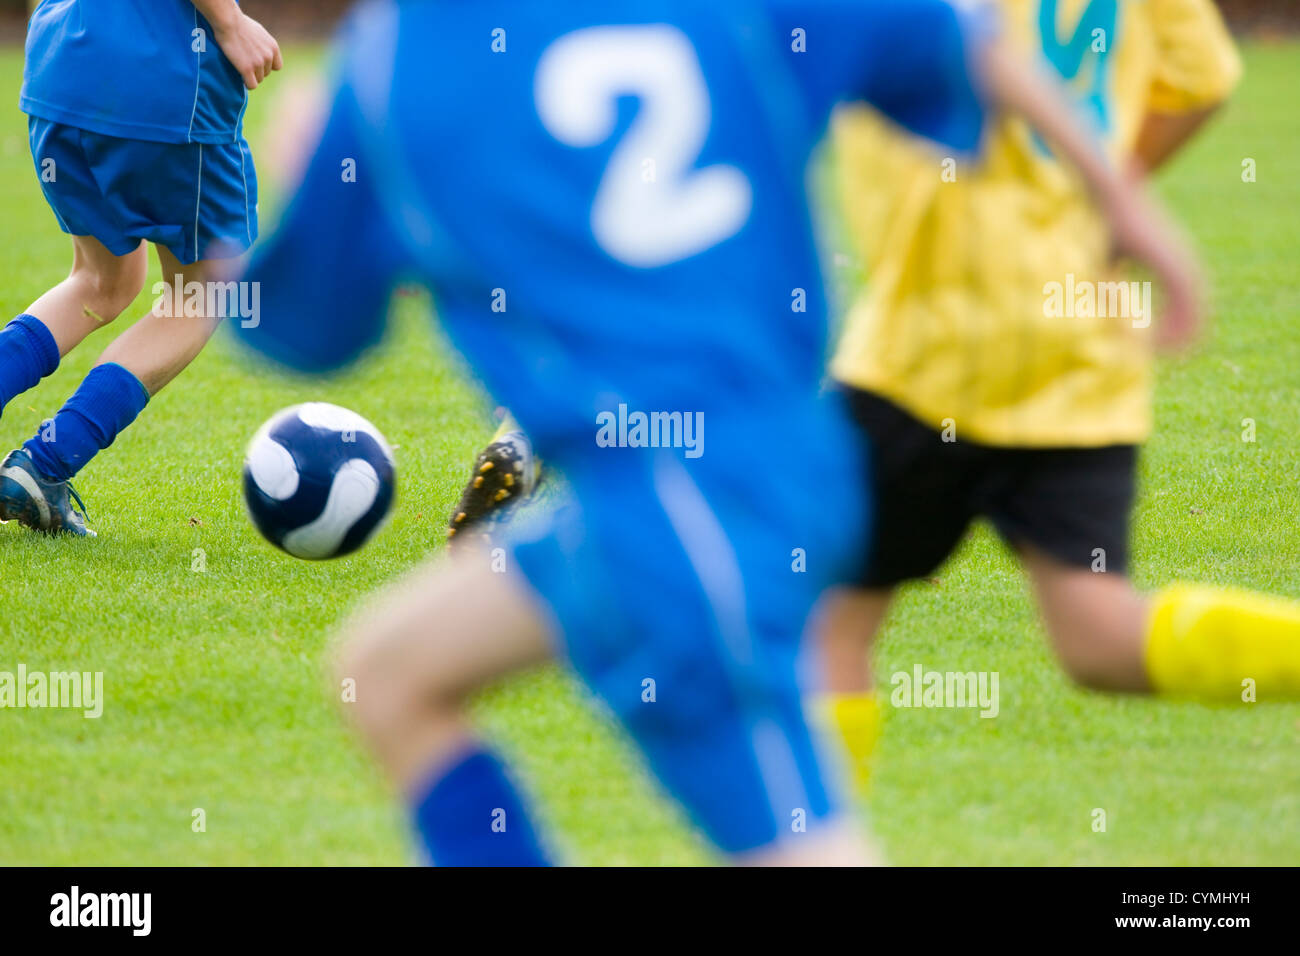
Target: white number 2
652, 208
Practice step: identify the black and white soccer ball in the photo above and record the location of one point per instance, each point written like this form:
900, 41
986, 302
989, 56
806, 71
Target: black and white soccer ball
318, 480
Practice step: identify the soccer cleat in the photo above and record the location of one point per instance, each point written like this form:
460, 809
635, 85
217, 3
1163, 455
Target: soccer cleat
505, 472
33, 500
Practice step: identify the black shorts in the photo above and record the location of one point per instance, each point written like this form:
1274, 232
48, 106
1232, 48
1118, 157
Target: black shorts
1068, 502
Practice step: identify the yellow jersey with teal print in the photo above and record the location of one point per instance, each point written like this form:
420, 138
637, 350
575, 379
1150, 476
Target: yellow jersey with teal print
991, 307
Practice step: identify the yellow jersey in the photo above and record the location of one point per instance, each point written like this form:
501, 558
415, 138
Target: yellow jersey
990, 307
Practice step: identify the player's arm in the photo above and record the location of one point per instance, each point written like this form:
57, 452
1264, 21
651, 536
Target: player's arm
935, 70
326, 274
1139, 225
1164, 134
1197, 67
244, 41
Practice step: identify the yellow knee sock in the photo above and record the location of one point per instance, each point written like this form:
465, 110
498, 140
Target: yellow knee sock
853, 720
1220, 644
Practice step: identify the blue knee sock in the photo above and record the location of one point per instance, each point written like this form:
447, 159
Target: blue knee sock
471, 815
28, 353
108, 400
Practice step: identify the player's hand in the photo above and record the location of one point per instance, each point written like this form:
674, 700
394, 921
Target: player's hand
1143, 232
252, 50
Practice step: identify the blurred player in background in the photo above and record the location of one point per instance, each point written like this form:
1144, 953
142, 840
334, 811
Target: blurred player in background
612, 219
956, 337
136, 125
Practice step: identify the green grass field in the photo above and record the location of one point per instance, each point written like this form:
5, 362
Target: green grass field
214, 679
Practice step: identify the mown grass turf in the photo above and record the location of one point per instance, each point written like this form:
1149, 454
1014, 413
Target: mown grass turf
216, 697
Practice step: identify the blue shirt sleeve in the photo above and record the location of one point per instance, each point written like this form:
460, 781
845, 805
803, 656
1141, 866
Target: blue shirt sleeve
327, 273
911, 59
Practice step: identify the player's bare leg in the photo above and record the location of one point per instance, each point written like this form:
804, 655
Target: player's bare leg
840, 844
1096, 622
100, 287
848, 623
35, 480
848, 708
159, 347
419, 649
1184, 640
417, 652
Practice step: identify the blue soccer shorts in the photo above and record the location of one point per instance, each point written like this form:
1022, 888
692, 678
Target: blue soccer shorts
681, 589
197, 200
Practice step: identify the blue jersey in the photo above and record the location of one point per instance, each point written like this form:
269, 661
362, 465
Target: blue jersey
608, 202
603, 210
134, 69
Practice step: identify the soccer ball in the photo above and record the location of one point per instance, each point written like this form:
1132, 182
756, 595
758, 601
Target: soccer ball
318, 480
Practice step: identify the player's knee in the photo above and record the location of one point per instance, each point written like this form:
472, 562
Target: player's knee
1091, 657
1100, 637
379, 688
364, 678
1087, 671
111, 290
373, 706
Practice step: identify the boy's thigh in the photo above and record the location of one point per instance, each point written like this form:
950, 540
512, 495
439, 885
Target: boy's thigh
198, 201
682, 613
